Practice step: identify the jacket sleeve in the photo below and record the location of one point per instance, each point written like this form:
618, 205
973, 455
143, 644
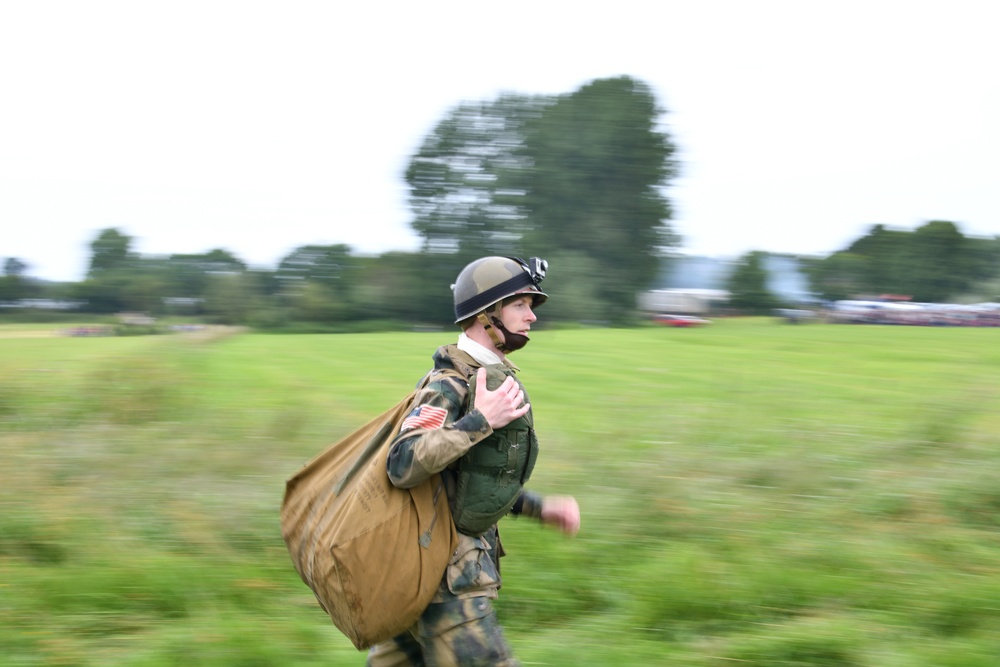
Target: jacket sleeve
528, 504
436, 433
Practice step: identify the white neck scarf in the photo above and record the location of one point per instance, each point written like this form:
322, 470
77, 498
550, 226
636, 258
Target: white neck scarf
483, 355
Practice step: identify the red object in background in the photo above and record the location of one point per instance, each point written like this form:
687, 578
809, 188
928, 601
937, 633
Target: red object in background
680, 320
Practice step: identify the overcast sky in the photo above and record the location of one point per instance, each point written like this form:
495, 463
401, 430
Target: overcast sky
262, 126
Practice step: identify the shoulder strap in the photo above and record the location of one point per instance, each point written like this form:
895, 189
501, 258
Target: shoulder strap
439, 373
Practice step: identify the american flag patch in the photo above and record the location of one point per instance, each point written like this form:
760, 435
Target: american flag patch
424, 416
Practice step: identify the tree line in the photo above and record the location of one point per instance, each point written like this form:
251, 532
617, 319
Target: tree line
934, 263
579, 179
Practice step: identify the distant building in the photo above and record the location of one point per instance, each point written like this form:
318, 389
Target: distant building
42, 304
682, 301
695, 285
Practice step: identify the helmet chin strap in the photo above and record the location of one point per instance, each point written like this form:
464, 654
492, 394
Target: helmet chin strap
513, 342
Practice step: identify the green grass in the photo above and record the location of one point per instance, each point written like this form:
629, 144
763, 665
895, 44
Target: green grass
753, 494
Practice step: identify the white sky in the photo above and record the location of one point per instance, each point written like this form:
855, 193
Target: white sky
262, 126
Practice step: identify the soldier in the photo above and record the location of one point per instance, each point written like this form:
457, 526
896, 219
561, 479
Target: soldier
480, 435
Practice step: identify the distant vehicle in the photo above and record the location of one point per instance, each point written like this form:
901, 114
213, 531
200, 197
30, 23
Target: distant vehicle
680, 320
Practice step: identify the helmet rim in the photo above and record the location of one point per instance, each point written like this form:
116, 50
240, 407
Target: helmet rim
524, 281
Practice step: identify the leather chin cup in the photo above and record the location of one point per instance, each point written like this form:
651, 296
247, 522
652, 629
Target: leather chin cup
511, 341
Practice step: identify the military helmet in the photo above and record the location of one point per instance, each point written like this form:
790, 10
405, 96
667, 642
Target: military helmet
489, 280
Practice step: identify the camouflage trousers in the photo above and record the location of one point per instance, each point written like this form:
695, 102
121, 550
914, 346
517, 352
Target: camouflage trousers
462, 632
460, 627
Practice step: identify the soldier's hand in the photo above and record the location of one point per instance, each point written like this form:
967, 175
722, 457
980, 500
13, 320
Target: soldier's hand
562, 512
501, 406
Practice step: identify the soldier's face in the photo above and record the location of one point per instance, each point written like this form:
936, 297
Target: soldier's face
517, 315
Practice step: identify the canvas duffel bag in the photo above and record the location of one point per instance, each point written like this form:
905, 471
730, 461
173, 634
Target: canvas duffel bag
372, 553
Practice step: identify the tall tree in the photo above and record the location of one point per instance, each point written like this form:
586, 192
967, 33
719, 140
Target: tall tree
318, 282
747, 285
881, 261
14, 267
983, 260
941, 252
110, 250
14, 285
934, 262
329, 265
188, 275
413, 287
838, 276
458, 177
600, 164
582, 174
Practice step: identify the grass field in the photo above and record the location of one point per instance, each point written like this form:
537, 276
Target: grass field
753, 494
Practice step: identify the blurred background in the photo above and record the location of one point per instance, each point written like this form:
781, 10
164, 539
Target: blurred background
753, 493
230, 162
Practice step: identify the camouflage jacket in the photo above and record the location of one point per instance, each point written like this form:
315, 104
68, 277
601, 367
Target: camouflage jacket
440, 429
434, 436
